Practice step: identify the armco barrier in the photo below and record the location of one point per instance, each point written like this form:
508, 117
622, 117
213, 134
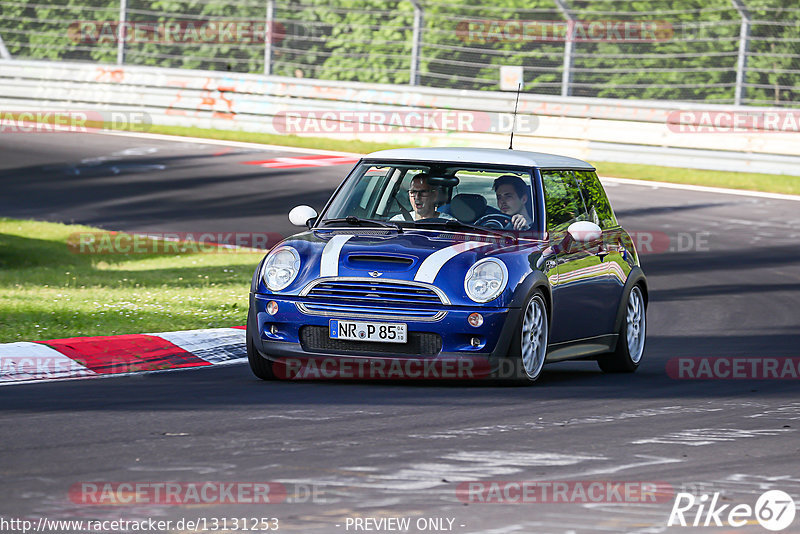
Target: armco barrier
590, 129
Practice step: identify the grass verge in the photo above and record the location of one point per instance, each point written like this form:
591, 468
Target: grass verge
49, 291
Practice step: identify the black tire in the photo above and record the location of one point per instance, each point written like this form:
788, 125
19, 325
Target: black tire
630, 342
529, 345
260, 366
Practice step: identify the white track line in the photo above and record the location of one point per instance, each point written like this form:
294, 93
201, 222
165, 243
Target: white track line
224, 142
626, 181
702, 188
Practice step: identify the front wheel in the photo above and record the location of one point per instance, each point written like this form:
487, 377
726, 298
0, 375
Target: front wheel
630, 344
530, 342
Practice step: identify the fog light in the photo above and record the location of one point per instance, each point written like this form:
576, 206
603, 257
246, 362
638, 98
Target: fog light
273, 330
475, 341
272, 307
475, 319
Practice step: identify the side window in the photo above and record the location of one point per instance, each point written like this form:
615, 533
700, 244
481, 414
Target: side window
597, 203
563, 200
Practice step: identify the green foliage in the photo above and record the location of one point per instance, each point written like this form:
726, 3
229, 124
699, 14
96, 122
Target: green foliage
464, 43
46, 30
772, 59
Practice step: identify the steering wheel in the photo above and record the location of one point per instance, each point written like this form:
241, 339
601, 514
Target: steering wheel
405, 213
494, 220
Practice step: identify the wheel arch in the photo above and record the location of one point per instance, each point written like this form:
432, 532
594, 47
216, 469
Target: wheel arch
635, 278
533, 282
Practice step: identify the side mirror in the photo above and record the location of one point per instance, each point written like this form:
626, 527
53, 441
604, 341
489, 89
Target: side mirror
300, 215
584, 231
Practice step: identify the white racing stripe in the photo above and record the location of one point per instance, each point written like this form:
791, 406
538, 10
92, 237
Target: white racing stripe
433, 264
34, 361
329, 262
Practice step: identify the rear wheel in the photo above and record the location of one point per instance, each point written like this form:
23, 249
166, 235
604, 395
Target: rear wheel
260, 366
630, 344
529, 347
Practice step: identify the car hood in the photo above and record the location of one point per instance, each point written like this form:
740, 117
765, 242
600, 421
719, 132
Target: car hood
428, 256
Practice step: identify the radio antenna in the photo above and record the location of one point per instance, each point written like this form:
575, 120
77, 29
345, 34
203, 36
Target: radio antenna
514, 119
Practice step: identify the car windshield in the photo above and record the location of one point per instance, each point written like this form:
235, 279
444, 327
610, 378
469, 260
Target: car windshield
424, 194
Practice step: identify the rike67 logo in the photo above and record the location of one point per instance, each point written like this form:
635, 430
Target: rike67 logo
774, 510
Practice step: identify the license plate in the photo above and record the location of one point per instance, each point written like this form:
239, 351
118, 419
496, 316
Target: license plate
363, 331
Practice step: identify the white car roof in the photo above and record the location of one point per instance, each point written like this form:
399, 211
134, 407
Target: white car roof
495, 156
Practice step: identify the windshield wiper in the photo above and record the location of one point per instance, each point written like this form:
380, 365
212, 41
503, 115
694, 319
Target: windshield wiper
453, 223
358, 221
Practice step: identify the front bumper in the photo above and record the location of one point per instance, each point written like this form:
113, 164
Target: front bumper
279, 336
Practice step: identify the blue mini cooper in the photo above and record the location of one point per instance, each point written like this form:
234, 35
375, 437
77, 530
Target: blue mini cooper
451, 263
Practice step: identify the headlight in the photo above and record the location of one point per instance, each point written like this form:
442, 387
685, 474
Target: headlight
280, 268
486, 280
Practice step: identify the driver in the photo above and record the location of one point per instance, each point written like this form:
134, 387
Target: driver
422, 196
513, 199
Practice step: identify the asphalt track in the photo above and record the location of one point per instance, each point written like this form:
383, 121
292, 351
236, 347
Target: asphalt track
375, 450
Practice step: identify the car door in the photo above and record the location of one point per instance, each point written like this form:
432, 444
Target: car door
580, 288
609, 247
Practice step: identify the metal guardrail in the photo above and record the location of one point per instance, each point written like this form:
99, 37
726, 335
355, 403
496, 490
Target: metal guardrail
588, 128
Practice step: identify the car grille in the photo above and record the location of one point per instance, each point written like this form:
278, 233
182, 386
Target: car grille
368, 298
317, 339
